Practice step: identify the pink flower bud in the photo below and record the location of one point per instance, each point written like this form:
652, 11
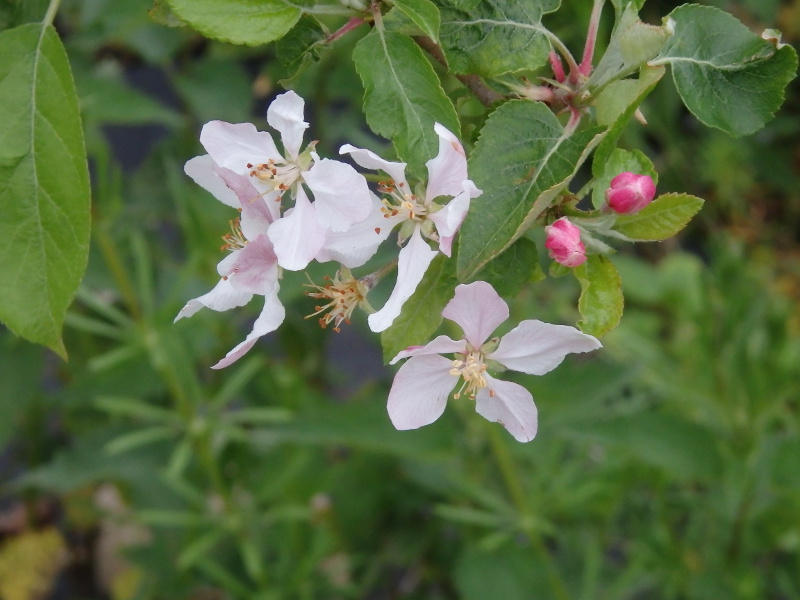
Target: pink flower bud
629, 193
564, 243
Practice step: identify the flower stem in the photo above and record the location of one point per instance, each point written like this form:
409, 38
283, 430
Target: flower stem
50, 15
591, 38
346, 28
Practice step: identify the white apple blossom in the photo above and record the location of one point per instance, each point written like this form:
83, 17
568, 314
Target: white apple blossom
418, 217
422, 385
341, 197
251, 268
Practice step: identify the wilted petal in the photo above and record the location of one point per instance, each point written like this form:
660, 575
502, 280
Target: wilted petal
419, 391
235, 145
268, 321
202, 170
285, 114
511, 405
359, 243
439, 345
448, 220
448, 170
536, 348
369, 160
341, 194
414, 259
478, 309
298, 236
222, 297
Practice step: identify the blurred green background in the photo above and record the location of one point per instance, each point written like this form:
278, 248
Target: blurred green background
667, 466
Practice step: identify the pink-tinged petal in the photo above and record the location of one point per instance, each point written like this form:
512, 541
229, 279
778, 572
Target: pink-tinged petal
285, 114
359, 243
439, 345
298, 236
258, 209
254, 268
448, 220
448, 170
202, 170
536, 348
414, 259
341, 194
419, 391
478, 309
509, 404
370, 160
235, 145
222, 297
269, 320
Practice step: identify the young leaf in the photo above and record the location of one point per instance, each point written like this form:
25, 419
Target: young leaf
513, 268
402, 96
422, 312
728, 77
494, 37
44, 185
250, 22
661, 219
601, 300
521, 162
424, 15
300, 43
620, 161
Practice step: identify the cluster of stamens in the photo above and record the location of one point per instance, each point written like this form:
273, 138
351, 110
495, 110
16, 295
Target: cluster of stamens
234, 240
472, 369
280, 176
343, 296
396, 199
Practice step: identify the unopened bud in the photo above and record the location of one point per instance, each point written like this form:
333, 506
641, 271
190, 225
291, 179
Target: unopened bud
564, 243
629, 193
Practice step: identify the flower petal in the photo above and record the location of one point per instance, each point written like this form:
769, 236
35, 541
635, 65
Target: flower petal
439, 345
509, 404
298, 236
222, 297
253, 269
369, 160
285, 114
358, 244
258, 210
448, 169
478, 309
202, 170
414, 259
419, 392
341, 194
536, 348
269, 320
235, 145
449, 219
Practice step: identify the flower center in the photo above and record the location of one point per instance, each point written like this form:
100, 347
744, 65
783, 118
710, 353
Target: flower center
234, 240
472, 369
397, 200
343, 294
280, 175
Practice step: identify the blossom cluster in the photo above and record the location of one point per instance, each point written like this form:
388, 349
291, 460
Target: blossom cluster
295, 207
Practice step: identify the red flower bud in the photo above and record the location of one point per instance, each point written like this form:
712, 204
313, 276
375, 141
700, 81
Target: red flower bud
629, 193
564, 243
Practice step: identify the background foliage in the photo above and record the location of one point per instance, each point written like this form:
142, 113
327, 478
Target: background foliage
665, 466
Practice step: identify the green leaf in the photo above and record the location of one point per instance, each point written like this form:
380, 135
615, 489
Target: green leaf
493, 37
661, 219
601, 300
424, 14
250, 22
422, 312
402, 96
521, 162
301, 43
620, 161
44, 185
728, 77
513, 268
